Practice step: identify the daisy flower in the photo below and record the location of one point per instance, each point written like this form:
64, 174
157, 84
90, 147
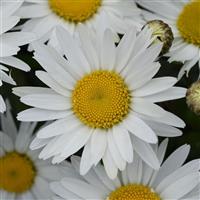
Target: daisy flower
183, 18
138, 181
23, 175
45, 15
10, 42
99, 97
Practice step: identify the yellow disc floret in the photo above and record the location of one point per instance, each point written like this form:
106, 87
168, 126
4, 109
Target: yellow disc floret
101, 99
17, 172
75, 10
188, 22
133, 192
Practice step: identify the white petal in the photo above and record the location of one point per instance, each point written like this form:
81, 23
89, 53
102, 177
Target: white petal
98, 145
35, 114
123, 142
146, 152
143, 106
187, 169
47, 101
109, 165
140, 129
6, 142
170, 94
18, 38
135, 170
52, 66
41, 189
119, 161
126, 45
32, 11
73, 52
108, 51
11, 21
58, 127
85, 190
23, 139
23, 91
163, 8
164, 130
155, 85
51, 173
86, 162
2, 105
173, 162
15, 62
88, 47
77, 142
45, 78
59, 189
180, 187
100, 171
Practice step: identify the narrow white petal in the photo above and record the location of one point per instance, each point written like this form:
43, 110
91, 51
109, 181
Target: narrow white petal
146, 107
85, 190
45, 78
139, 128
180, 187
58, 127
23, 91
173, 162
73, 52
101, 173
123, 142
35, 114
86, 162
108, 51
6, 142
47, 101
15, 62
155, 85
2, 105
109, 165
77, 142
119, 161
146, 152
59, 189
98, 145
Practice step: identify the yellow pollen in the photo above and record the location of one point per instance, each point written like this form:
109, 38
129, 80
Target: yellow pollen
188, 23
75, 10
17, 172
133, 192
101, 99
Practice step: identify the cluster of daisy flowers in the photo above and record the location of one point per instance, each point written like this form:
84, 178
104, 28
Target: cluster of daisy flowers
101, 96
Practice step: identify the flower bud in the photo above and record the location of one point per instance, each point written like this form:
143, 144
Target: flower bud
193, 97
162, 33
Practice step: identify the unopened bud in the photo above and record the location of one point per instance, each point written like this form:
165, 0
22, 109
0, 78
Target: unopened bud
193, 97
162, 33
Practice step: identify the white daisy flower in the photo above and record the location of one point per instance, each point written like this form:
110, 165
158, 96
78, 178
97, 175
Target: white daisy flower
10, 42
183, 18
98, 15
137, 182
23, 175
100, 96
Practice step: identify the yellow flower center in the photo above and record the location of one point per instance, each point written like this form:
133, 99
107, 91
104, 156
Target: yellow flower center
75, 10
17, 172
101, 99
133, 192
188, 23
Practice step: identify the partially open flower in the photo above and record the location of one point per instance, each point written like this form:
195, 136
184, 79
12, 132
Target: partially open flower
193, 97
162, 33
